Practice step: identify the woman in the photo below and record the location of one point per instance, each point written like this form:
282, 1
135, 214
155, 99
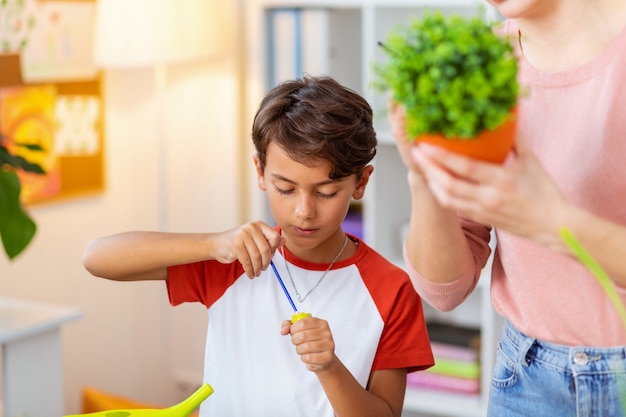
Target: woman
563, 346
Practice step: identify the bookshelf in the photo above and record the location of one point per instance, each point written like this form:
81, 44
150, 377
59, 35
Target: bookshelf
340, 38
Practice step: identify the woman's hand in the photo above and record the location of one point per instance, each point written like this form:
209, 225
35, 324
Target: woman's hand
397, 120
517, 196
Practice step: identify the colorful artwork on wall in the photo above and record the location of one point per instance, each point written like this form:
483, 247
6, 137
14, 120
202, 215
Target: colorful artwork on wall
52, 97
54, 38
27, 118
65, 121
18, 19
60, 44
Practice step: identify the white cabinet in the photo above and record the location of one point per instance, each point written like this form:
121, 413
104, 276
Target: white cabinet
341, 39
31, 350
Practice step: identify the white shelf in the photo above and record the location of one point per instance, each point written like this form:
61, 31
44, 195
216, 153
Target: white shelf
438, 403
352, 30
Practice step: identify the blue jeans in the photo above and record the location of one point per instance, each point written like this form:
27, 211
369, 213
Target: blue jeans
535, 378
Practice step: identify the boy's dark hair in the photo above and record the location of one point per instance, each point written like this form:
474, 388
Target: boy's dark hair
316, 118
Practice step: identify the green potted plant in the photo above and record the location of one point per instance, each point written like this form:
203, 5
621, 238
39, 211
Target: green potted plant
456, 80
17, 228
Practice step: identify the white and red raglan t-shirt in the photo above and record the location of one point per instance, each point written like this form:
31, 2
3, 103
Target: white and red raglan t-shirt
374, 313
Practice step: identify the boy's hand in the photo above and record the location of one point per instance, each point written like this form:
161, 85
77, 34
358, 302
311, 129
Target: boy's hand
313, 341
253, 244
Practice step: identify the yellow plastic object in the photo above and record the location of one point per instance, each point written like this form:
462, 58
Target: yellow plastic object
182, 409
603, 279
298, 316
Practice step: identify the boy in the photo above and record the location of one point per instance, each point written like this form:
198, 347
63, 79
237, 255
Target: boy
314, 141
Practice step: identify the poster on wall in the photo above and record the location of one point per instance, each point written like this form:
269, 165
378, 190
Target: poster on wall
27, 117
54, 100
60, 44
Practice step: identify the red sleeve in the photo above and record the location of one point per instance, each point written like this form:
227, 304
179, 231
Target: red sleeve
203, 282
404, 342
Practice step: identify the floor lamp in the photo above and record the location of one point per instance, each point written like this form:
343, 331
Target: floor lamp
156, 34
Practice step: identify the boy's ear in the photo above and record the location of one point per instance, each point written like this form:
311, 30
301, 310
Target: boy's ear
259, 173
359, 191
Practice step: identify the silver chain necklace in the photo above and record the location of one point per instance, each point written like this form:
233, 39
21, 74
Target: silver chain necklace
298, 296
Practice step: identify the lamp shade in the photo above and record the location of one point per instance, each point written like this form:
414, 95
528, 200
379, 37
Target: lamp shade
141, 33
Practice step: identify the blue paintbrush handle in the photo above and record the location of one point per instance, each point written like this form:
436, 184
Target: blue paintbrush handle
282, 284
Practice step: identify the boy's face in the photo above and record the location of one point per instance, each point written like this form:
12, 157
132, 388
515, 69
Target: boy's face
308, 206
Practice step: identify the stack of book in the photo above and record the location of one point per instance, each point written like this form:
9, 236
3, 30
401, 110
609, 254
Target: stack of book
457, 360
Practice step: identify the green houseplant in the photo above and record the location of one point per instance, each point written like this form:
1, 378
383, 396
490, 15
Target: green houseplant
17, 228
455, 77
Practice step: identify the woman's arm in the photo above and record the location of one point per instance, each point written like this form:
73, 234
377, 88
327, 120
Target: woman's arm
521, 198
435, 246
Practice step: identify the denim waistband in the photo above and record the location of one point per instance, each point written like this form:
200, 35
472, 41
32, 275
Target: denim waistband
577, 359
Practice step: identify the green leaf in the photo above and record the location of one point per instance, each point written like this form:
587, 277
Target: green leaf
16, 161
17, 229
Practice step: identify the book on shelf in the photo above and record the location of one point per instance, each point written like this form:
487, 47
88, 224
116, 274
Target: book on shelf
444, 383
459, 353
456, 349
353, 222
454, 335
451, 367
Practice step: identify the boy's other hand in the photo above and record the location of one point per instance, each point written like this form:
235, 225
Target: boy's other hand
313, 341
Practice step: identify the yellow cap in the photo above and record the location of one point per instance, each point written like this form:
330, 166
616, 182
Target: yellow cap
298, 316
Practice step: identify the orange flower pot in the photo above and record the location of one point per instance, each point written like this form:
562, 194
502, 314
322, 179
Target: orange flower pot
490, 146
